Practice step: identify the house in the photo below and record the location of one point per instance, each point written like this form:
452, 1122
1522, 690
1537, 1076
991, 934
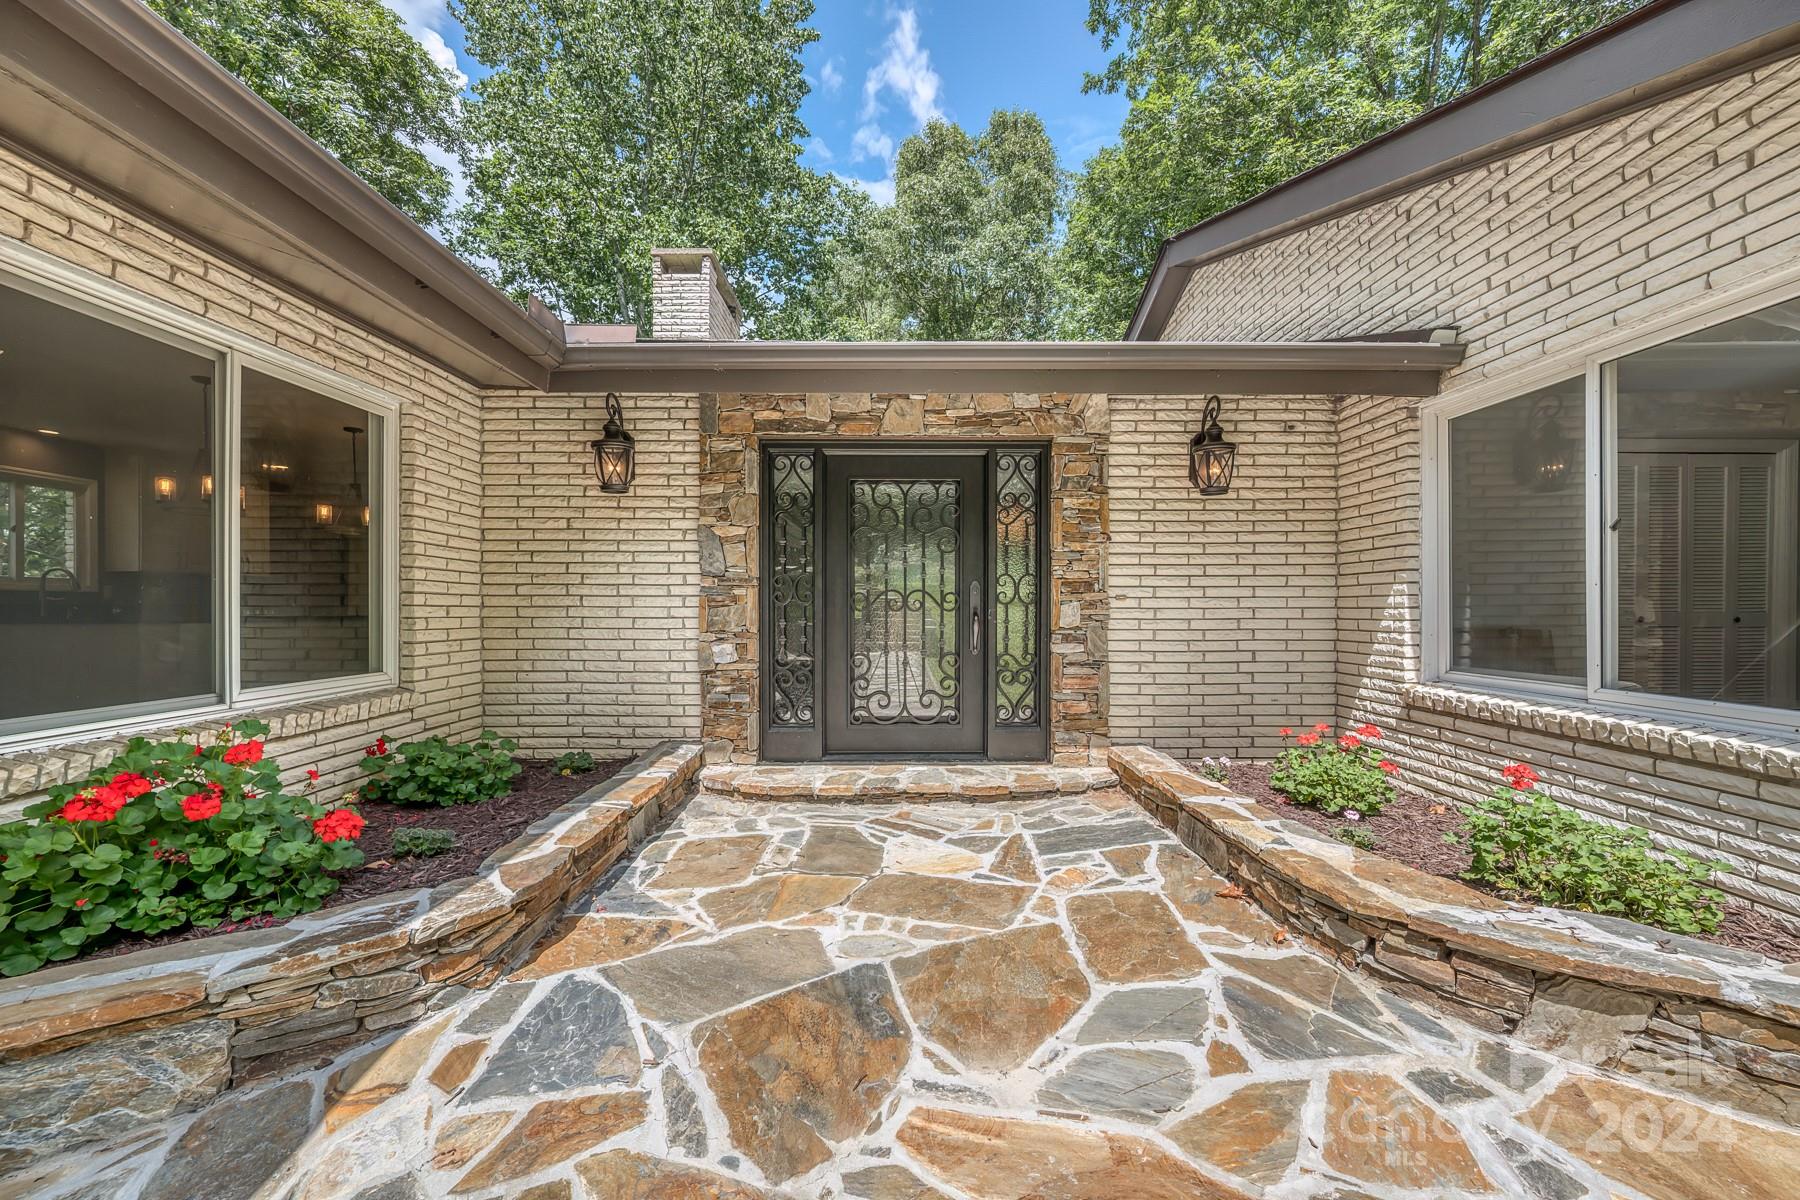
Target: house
1515, 469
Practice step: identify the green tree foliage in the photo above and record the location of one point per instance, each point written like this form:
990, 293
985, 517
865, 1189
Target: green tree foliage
349, 75
965, 251
1230, 97
609, 127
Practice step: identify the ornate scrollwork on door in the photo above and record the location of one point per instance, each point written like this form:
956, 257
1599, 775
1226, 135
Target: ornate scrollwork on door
792, 568
904, 640
1017, 657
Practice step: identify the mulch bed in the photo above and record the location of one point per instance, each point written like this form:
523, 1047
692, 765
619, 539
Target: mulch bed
480, 830
1412, 830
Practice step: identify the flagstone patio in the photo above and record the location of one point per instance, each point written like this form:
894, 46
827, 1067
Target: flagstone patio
973, 1000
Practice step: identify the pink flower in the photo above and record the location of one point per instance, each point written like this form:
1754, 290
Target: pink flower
1388, 767
1308, 739
1349, 742
1366, 730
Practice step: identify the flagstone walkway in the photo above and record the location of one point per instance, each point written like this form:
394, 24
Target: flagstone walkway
978, 1001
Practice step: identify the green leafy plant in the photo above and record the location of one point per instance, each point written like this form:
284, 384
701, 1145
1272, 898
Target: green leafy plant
1216, 769
1350, 835
1334, 775
169, 834
423, 843
436, 771
1526, 844
575, 762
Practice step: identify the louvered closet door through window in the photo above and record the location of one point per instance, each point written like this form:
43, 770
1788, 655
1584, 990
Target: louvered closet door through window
1705, 576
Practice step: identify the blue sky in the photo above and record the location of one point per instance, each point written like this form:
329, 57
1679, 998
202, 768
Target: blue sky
881, 69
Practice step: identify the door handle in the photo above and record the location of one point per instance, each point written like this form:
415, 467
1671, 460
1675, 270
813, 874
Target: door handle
975, 617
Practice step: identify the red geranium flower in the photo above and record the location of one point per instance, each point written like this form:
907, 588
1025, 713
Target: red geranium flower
312, 773
244, 753
1308, 739
202, 806
131, 786
1520, 777
1321, 727
96, 804
1366, 730
378, 749
1286, 732
1388, 767
81, 903
339, 823
1349, 742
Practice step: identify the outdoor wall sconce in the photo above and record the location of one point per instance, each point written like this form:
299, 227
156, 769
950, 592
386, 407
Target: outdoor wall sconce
163, 488
1543, 452
206, 487
613, 453
1211, 459
324, 514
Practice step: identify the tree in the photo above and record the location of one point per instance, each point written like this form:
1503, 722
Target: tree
1230, 97
964, 252
349, 75
610, 127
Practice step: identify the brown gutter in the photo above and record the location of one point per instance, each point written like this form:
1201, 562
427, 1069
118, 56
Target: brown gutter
1118, 368
109, 91
1658, 51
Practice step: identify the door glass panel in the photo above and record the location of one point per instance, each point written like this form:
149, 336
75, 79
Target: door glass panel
791, 573
904, 543
1015, 588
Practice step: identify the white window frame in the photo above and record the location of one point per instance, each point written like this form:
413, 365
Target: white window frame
1596, 364
86, 571
26, 269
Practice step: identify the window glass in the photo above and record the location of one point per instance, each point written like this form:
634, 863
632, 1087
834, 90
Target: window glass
1517, 548
1704, 497
308, 514
106, 588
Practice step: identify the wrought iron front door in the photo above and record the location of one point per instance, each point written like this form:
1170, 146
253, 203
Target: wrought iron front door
901, 601
905, 565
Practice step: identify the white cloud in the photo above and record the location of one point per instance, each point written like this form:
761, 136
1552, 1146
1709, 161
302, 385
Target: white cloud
906, 71
818, 149
831, 75
870, 142
426, 20
881, 191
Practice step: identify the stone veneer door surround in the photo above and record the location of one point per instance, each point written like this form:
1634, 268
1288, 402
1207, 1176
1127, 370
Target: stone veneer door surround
734, 429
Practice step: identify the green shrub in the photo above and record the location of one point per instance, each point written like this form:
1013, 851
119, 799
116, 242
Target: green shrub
168, 834
1334, 775
575, 762
435, 771
1350, 835
1524, 843
423, 843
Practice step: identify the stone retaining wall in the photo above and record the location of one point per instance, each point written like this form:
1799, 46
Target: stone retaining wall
97, 1049
1688, 1016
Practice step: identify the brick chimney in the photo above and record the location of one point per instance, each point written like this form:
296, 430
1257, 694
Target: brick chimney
690, 298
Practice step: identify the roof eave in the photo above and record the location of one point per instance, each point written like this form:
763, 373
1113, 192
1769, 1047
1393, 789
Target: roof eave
113, 94
1119, 368
1647, 56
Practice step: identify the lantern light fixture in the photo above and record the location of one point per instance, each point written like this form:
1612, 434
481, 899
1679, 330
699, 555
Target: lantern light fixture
1211, 459
164, 488
614, 454
324, 513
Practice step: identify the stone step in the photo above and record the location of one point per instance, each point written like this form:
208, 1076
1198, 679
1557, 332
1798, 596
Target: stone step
909, 783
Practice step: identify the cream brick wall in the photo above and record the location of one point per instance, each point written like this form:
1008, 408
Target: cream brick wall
440, 446
1534, 255
1224, 609
688, 304
1543, 254
590, 602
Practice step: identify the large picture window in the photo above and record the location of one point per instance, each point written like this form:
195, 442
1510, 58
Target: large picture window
1669, 577
135, 580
